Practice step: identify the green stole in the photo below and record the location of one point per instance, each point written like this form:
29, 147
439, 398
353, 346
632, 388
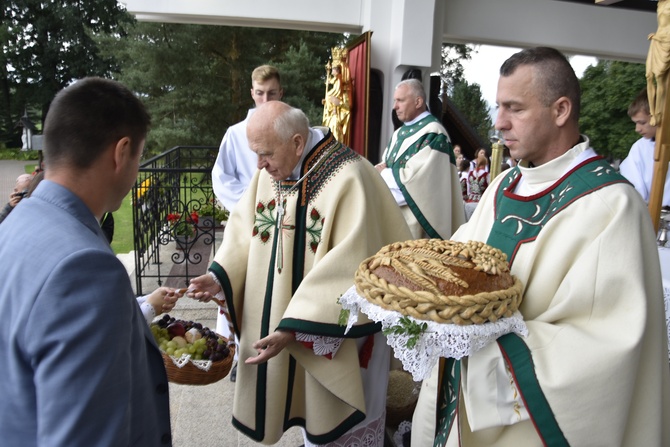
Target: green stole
436, 141
519, 220
439, 142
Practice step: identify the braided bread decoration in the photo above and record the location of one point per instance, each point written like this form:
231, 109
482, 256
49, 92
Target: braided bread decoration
441, 280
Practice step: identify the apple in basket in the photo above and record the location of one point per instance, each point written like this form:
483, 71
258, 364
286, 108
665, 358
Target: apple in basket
178, 337
175, 329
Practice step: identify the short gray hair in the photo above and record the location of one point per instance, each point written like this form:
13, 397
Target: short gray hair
415, 87
291, 122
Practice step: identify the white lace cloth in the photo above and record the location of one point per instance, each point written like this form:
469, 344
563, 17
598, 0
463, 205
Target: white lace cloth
322, 345
404, 427
185, 359
439, 339
370, 435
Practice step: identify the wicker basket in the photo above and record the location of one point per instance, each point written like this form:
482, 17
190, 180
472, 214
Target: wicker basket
401, 397
190, 374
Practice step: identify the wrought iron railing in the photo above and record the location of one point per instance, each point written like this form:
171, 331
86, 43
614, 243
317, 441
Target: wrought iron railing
168, 198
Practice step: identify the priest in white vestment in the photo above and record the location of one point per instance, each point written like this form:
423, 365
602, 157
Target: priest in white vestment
236, 164
419, 167
593, 369
311, 215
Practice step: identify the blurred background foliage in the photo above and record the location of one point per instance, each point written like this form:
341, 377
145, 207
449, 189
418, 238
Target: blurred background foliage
195, 79
608, 88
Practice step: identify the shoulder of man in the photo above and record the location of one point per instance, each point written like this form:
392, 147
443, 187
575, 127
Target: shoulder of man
324, 130
434, 124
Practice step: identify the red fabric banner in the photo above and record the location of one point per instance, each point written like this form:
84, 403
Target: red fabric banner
359, 69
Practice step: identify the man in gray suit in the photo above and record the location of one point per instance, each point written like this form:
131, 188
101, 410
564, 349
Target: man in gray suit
78, 362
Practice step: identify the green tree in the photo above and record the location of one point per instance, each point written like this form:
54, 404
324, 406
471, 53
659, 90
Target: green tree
46, 45
179, 71
196, 79
607, 89
469, 101
451, 66
303, 77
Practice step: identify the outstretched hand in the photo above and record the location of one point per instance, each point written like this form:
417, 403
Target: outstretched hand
163, 299
203, 288
270, 346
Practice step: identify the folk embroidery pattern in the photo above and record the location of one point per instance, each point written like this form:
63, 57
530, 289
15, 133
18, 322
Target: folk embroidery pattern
540, 217
264, 220
557, 200
520, 221
314, 228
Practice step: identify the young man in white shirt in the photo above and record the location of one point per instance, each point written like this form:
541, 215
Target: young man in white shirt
236, 163
638, 166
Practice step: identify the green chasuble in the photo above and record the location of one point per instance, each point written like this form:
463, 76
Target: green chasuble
593, 368
421, 158
290, 275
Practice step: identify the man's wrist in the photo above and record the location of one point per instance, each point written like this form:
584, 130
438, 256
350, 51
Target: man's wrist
215, 279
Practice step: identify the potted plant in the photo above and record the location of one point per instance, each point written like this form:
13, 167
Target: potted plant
212, 215
183, 230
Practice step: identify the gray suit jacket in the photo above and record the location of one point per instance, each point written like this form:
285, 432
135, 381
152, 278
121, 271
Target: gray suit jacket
78, 364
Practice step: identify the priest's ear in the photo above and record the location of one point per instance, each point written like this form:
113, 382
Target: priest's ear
298, 142
420, 103
562, 109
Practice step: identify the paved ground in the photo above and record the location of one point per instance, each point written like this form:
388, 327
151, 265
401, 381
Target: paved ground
201, 414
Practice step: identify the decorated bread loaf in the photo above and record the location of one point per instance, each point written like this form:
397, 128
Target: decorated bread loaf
441, 280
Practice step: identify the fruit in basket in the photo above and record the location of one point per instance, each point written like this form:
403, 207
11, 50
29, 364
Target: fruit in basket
181, 341
192, 335
197, 341
176, 329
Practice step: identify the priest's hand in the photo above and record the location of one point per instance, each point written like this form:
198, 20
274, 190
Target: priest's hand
270, 346
380, 167
203, 288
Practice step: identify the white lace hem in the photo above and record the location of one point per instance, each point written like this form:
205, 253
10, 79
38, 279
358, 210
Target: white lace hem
438, 340
182, 361
370, 435
322, 345
404, 427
